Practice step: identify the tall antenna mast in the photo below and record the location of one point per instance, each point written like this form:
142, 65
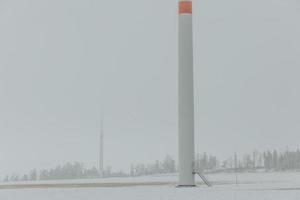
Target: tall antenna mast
101, 169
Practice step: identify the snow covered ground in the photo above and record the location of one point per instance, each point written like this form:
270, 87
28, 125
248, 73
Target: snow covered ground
252, 186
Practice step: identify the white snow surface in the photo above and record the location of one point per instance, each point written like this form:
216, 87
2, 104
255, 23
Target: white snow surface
252, 186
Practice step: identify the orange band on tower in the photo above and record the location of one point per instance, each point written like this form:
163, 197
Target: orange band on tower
185, 7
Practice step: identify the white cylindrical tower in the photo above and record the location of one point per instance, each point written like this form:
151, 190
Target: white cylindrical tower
186, 95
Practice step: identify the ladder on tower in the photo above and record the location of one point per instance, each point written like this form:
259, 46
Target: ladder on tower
204, 179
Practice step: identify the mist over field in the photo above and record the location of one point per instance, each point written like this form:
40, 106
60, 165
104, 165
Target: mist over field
67, 65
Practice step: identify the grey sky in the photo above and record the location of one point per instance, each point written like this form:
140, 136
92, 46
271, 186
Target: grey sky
60, 61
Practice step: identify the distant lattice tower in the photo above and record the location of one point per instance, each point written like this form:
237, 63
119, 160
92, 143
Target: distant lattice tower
101, 149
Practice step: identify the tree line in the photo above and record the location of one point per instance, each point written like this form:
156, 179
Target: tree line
77, 170
267, 161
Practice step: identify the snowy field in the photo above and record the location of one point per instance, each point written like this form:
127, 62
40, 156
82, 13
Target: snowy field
252, 186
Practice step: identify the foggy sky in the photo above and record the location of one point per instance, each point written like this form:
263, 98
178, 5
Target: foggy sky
63, 61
